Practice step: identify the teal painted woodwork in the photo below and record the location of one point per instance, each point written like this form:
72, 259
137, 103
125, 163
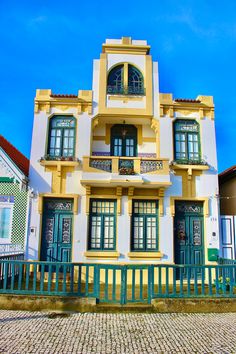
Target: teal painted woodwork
61, 139
144, 225
102, 224
189, 234
114, 283
187, 141
57, 231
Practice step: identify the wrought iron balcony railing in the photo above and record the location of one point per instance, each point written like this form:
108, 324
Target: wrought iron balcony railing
126, 90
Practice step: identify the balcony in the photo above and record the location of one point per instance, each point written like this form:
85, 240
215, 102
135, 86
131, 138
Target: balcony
126, 90
125, 170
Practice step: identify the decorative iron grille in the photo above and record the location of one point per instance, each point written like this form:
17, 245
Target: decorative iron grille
125, 90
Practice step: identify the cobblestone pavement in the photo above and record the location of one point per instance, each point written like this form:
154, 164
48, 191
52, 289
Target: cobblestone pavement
35, 332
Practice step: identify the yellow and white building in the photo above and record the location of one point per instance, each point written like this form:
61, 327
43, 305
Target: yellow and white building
123, 173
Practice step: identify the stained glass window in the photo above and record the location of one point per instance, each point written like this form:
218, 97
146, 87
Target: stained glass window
144, 226
102, 224
61, 136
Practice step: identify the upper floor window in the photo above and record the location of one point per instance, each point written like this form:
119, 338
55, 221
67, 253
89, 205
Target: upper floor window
123, 140
187, 141
61, 140
125, 79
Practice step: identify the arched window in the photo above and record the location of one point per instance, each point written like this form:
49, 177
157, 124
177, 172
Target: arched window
115, 82
125, 79
61, 138
135, 80
123, 140
187, 141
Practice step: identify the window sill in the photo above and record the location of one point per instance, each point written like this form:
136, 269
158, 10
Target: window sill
145, 255
102, 254
58, 163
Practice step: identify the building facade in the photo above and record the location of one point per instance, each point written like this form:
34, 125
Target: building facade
123, 173
14, 198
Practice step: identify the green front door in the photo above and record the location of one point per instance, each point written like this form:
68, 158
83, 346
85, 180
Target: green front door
189, 236
57, 231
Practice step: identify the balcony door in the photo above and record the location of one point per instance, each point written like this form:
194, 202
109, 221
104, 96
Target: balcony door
124, 140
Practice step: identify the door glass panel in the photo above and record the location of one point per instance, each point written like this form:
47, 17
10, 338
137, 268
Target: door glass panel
117, 147
66, 230
197, 239
49, 229
129, 147
181, 232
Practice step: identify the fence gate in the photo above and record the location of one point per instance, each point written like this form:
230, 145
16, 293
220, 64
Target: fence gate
124, 284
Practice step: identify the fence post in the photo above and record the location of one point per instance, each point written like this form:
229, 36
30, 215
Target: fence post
123, 285
150, 282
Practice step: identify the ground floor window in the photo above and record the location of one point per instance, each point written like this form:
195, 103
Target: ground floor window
102, 224
144, 235
6, 210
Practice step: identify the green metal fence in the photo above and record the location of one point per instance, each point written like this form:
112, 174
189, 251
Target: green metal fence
117, 283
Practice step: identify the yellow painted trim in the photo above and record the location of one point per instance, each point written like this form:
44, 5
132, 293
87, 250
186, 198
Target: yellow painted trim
99, 138
103, 255
196, 199
102, 82
149, 84
168, 106
124, 98
149, 140
145, 255
44, 101
140, 134
125, 77
125, 49
108, 134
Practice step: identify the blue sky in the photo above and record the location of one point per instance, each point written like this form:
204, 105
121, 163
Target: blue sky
51, 44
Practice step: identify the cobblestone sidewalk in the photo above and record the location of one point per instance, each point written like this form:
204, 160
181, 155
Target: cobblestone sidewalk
35, 332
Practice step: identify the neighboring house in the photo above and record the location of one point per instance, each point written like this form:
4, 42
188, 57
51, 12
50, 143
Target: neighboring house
227, 188
14, 169
124, 173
